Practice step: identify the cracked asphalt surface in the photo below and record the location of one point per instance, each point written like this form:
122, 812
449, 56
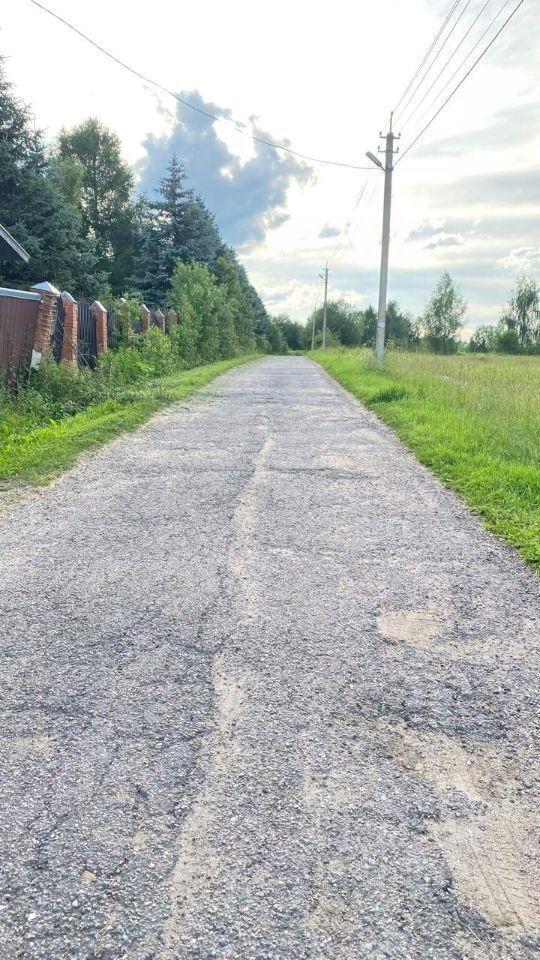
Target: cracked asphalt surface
268, 691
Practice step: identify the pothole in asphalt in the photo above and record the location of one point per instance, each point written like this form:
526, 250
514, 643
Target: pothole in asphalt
416, 627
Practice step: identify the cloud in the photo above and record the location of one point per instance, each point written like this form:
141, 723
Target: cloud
516, 187
247, 198
516, 228
514, 46
507, 128
444, 241
443, 234
328, 231
522, 260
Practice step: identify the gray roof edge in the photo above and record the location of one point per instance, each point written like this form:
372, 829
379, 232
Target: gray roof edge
19, 294
15, 246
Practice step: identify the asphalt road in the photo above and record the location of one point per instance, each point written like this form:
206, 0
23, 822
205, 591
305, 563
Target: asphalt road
268, 691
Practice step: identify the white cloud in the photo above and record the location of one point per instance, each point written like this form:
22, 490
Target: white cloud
522, 260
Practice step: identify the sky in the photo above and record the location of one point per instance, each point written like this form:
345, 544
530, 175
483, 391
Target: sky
324, 80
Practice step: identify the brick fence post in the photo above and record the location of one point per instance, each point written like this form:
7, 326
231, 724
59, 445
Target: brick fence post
99, 312
45, 320
145, 318
160, 320
172, 319
71, 323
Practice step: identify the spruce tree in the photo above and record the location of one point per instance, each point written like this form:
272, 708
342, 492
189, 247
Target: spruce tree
176, 227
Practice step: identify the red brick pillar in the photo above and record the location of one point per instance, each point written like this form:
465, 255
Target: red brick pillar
145, 318
172, 319
99, 312
160, 320
71, 323
46, 314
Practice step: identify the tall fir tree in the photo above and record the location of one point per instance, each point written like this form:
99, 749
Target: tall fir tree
176, 227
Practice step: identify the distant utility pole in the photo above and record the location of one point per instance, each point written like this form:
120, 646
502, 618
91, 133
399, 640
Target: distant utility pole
388, 169
324, 276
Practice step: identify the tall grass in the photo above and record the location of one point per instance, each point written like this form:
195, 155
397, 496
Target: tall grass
474, 420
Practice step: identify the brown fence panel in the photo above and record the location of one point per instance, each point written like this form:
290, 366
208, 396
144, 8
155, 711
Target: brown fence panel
18, 320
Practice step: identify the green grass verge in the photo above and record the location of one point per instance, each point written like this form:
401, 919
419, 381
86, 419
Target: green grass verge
473, 420
35, 456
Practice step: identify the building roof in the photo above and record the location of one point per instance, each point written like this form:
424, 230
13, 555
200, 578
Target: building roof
10, 249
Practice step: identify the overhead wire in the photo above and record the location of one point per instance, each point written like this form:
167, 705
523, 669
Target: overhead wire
426, 56
482, 36
461, 82
404, 123
339, 253
240, 127
434, 61
341, 246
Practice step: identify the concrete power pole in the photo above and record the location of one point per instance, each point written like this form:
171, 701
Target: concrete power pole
388, 169
325, 276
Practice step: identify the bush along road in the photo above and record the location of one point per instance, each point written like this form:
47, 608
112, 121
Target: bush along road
270, 691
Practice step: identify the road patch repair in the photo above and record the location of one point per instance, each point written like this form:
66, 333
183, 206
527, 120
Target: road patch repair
269, 691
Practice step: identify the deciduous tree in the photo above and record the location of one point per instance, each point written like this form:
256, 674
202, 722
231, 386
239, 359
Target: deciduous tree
443, 315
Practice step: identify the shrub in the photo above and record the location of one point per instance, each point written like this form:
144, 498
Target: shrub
508, 341
125, 365
483, 340
156, 351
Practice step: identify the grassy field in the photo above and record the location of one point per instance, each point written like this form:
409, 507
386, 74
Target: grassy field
474, 420
35, 454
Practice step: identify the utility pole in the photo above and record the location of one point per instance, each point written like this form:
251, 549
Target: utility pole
325, 277
388, 169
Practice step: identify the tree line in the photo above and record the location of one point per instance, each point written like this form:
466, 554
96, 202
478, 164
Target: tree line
436, 330
72, 205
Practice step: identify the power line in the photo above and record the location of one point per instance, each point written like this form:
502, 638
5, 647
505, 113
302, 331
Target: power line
341, 246
443, 69
464, 61
426, 56
339, 252
434, 61
205, 113
462, 81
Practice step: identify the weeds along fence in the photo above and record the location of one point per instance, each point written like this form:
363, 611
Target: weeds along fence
96, 330
76, 332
